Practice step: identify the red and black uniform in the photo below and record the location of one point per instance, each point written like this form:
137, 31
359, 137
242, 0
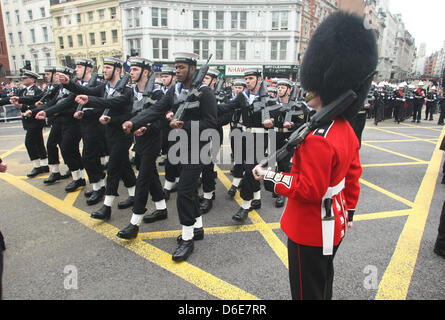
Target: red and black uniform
419, 100
399, 104
324, 181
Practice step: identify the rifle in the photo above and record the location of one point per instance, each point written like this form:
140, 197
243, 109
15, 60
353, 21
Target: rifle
294, 108
191, 101
118, 90
220, 93
49, 94
262, 105
322, 117
149, 88
91, 83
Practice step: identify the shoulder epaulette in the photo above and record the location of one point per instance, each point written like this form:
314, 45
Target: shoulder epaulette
324, 130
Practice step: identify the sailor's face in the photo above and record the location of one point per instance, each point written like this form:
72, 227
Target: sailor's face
79, 71
238, 89
166, 79
207, 79
183, 71
282, 91
251, 82
48, 76
135, 72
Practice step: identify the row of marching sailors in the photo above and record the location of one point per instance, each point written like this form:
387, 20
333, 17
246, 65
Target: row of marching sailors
403, 103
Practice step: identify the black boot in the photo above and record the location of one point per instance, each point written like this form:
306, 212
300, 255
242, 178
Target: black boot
206, 205
35, 172
75, 184
156, 216
167, 194
279, 202
104, 213
45, 169
65, 175
53, 177
198, 234
184, 250
241, 215
129, 232
232, 191
126, 203
96, 196
256, 204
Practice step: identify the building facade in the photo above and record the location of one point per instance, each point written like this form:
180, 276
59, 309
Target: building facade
86, 29
238, 34
4, 57
29, 35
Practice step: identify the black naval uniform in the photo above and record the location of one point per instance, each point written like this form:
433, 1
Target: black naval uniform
205, 116
253, 130
120, 105
442, 110
431, 103
34, 142
419, 99
399, 104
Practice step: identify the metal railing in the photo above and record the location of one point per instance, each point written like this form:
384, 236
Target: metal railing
9, 112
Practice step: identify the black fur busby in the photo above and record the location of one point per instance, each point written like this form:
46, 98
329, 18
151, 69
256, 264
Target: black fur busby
341, 55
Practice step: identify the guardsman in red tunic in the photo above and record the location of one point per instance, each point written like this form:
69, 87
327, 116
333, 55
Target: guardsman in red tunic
323, 186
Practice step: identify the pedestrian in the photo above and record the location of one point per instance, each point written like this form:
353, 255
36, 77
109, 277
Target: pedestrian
3, 168
439, 247
323, 186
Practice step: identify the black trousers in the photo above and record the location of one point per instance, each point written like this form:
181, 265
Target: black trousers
54, 140
248, 184
284, 165
1, 273
378, 112
147, 150
92, 137
398, 111
119, 166
34, 143
358, 124
311, 274
70, 146
187, 201
440, 241
430, 108
172, 171
417, 112
208, 173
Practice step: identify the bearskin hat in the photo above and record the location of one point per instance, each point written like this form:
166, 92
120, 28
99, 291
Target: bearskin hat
341, 55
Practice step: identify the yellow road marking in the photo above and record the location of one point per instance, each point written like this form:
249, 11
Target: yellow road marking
393, 152
196, 276
271, 238
394, 164
401, 140
404, 135
397, 277
388, 193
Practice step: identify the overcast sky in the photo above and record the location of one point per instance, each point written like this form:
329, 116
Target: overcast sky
424, 19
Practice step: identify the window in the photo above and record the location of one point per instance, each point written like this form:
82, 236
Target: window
70, 41
164, 17
92, 39
280, 20
135, 44
113, 13
30, 14
8, 19
61, 43
133, 18
48, 58
219, 20
278, 49
11, 39
90, 15
219, 50
238, 49
79, 18
200, 19
154, 17
101, 14
45, 33
33, 36
42, 12
59, 21
17, 16
201, 48
114, 36
160, 48
68, 19
79, 40
103, 37
36, 62
239, 20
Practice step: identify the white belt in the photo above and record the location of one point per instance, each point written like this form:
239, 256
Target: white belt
281, 130
400, 99
254, 130
328, 226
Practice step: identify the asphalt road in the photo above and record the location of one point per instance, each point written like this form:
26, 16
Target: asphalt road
56, 251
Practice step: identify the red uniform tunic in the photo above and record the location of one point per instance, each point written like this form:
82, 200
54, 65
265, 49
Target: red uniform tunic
327, 157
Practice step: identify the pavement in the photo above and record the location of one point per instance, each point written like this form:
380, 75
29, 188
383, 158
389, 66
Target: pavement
56, 251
